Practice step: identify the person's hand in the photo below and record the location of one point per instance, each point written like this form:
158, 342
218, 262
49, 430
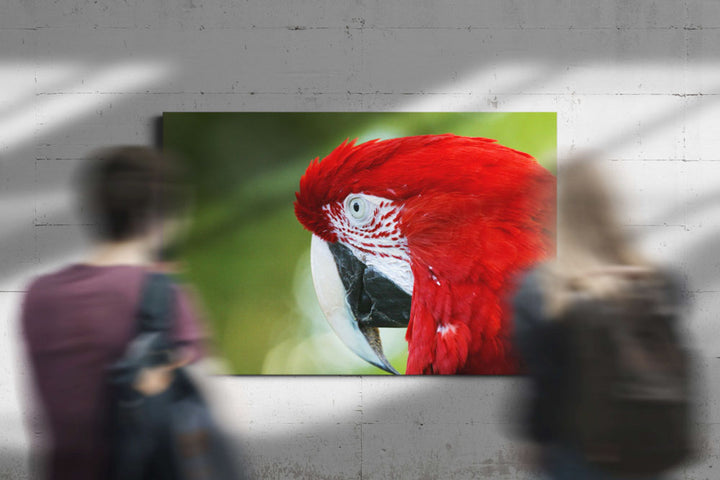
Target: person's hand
154, 380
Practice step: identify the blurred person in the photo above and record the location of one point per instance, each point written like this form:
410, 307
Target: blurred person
79, 320
595, 329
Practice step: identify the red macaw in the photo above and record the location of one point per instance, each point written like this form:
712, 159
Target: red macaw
428, 233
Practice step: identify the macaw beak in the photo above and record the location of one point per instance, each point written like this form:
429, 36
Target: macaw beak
356, 300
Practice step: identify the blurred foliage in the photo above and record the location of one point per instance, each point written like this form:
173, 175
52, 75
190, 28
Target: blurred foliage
246, 253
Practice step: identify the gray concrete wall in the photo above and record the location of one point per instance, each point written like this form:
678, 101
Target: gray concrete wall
638, 79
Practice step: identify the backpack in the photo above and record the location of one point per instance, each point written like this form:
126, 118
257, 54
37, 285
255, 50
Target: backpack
171, 435
628, 408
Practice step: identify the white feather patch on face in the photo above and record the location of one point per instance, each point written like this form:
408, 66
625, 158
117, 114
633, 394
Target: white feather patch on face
369, 226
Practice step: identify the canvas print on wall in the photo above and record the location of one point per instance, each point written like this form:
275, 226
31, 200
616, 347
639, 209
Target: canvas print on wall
364, 243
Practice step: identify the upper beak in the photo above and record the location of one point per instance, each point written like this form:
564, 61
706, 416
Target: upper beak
356, 300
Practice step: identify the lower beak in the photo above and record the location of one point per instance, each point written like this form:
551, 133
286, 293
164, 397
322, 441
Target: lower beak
356, 300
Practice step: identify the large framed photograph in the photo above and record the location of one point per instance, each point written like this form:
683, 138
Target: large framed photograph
364, 243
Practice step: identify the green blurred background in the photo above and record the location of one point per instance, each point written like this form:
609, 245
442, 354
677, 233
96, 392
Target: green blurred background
247, 255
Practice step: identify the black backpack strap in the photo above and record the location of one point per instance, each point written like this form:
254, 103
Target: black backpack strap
157, 299
154, 317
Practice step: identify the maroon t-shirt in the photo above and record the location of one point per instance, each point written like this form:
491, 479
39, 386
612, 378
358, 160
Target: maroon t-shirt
76, 322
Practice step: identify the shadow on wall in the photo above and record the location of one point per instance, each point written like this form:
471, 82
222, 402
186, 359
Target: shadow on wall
571, 41
20, 193
399, 428
376, 445
13, 462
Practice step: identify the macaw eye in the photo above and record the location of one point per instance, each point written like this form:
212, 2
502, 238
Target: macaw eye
357, 208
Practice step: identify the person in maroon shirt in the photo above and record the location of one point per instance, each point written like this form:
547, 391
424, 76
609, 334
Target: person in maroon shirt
79, 320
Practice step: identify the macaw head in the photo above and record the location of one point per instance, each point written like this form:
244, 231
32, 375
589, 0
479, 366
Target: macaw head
427, 233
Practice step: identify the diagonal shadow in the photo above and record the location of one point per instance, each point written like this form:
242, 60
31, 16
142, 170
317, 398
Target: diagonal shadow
275, 456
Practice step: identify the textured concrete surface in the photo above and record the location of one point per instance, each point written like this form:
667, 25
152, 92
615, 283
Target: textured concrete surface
639, 80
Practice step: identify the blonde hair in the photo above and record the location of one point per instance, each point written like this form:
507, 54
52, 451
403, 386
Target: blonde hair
592, 246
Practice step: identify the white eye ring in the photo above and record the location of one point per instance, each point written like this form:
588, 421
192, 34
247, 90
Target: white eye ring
357, 208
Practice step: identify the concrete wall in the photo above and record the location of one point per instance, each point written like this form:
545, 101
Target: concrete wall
638, 79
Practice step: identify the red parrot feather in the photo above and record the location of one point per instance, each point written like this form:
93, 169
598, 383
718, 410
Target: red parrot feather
472, 215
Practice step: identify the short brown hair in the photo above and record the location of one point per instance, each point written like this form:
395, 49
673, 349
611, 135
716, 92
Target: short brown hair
127, 188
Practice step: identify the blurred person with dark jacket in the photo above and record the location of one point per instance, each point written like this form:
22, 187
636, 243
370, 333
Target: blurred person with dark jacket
595, 271
79, 320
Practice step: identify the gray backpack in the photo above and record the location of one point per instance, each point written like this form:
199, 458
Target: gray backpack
629, 396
